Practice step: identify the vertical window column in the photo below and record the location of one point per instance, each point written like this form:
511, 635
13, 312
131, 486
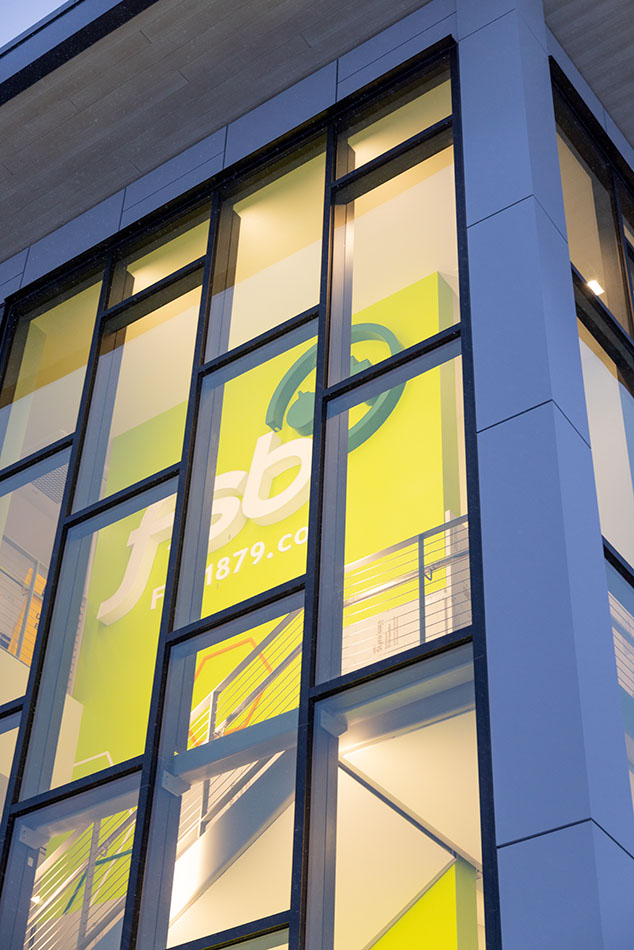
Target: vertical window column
556, 729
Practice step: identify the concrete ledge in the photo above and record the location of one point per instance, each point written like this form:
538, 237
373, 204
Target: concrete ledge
10, 287
284, 112
13, 266
73, 238
394, 36
175, 177
396, 55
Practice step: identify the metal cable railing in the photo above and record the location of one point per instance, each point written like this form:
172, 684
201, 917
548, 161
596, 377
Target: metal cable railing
22, 582
411, 592
79, 889
264, 684
623, 633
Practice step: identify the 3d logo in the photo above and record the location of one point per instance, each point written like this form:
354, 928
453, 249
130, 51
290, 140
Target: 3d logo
240, 496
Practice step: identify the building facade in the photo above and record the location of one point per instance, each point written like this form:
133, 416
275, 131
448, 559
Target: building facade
317, 558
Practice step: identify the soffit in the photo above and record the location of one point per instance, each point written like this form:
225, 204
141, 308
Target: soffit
156, 85
598, 36
180, 70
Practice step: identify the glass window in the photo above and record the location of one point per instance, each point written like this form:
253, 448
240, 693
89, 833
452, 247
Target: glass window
395, 854
591, 230
377, 131
627, 204
221, 844
45, 376
395, 551
93, 701
163, 254
247, 522
610, 405
8, 738
29, 509
138, 407
395, 270
622, 612
268, 257
68, 872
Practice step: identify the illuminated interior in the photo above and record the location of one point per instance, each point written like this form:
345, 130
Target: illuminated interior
42, 389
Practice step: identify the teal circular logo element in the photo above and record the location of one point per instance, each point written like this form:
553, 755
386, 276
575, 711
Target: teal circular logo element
299, 414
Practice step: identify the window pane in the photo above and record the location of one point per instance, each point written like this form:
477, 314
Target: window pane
137, 414
166, 252
395, 277
68, 872
610, 407
276, 941
622, 611
94, 697
29, 510
395, 553
419, 107
268, 258
247, 521
591, 230
8, 738
627, 205
45, 376
225, 808
395, 826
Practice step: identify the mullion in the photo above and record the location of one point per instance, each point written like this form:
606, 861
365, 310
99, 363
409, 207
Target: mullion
11, 708
299, 879
409, 355
157, 702
416, 654
79, 787
37, 663
103, 505
601, 324
399, 159
32, 460
145, 296
625, 246
237, 935
476, 568
235, 611
622, 249
264, 339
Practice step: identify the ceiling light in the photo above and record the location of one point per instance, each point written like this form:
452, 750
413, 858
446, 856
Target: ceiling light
596, 287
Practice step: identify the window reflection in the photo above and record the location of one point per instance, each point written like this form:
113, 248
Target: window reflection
610, 406
29, 508
220, 852
395, 270
395, 825
41, 393
166, 252
268, 259
591, 230
93, 701
401, 577
138, 406
68, 872
247, 523
622, 612
416, 109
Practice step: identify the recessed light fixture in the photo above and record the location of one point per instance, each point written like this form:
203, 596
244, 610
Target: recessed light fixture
596, 287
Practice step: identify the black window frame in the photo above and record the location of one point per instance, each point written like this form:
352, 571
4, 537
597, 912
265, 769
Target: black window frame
106, 255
